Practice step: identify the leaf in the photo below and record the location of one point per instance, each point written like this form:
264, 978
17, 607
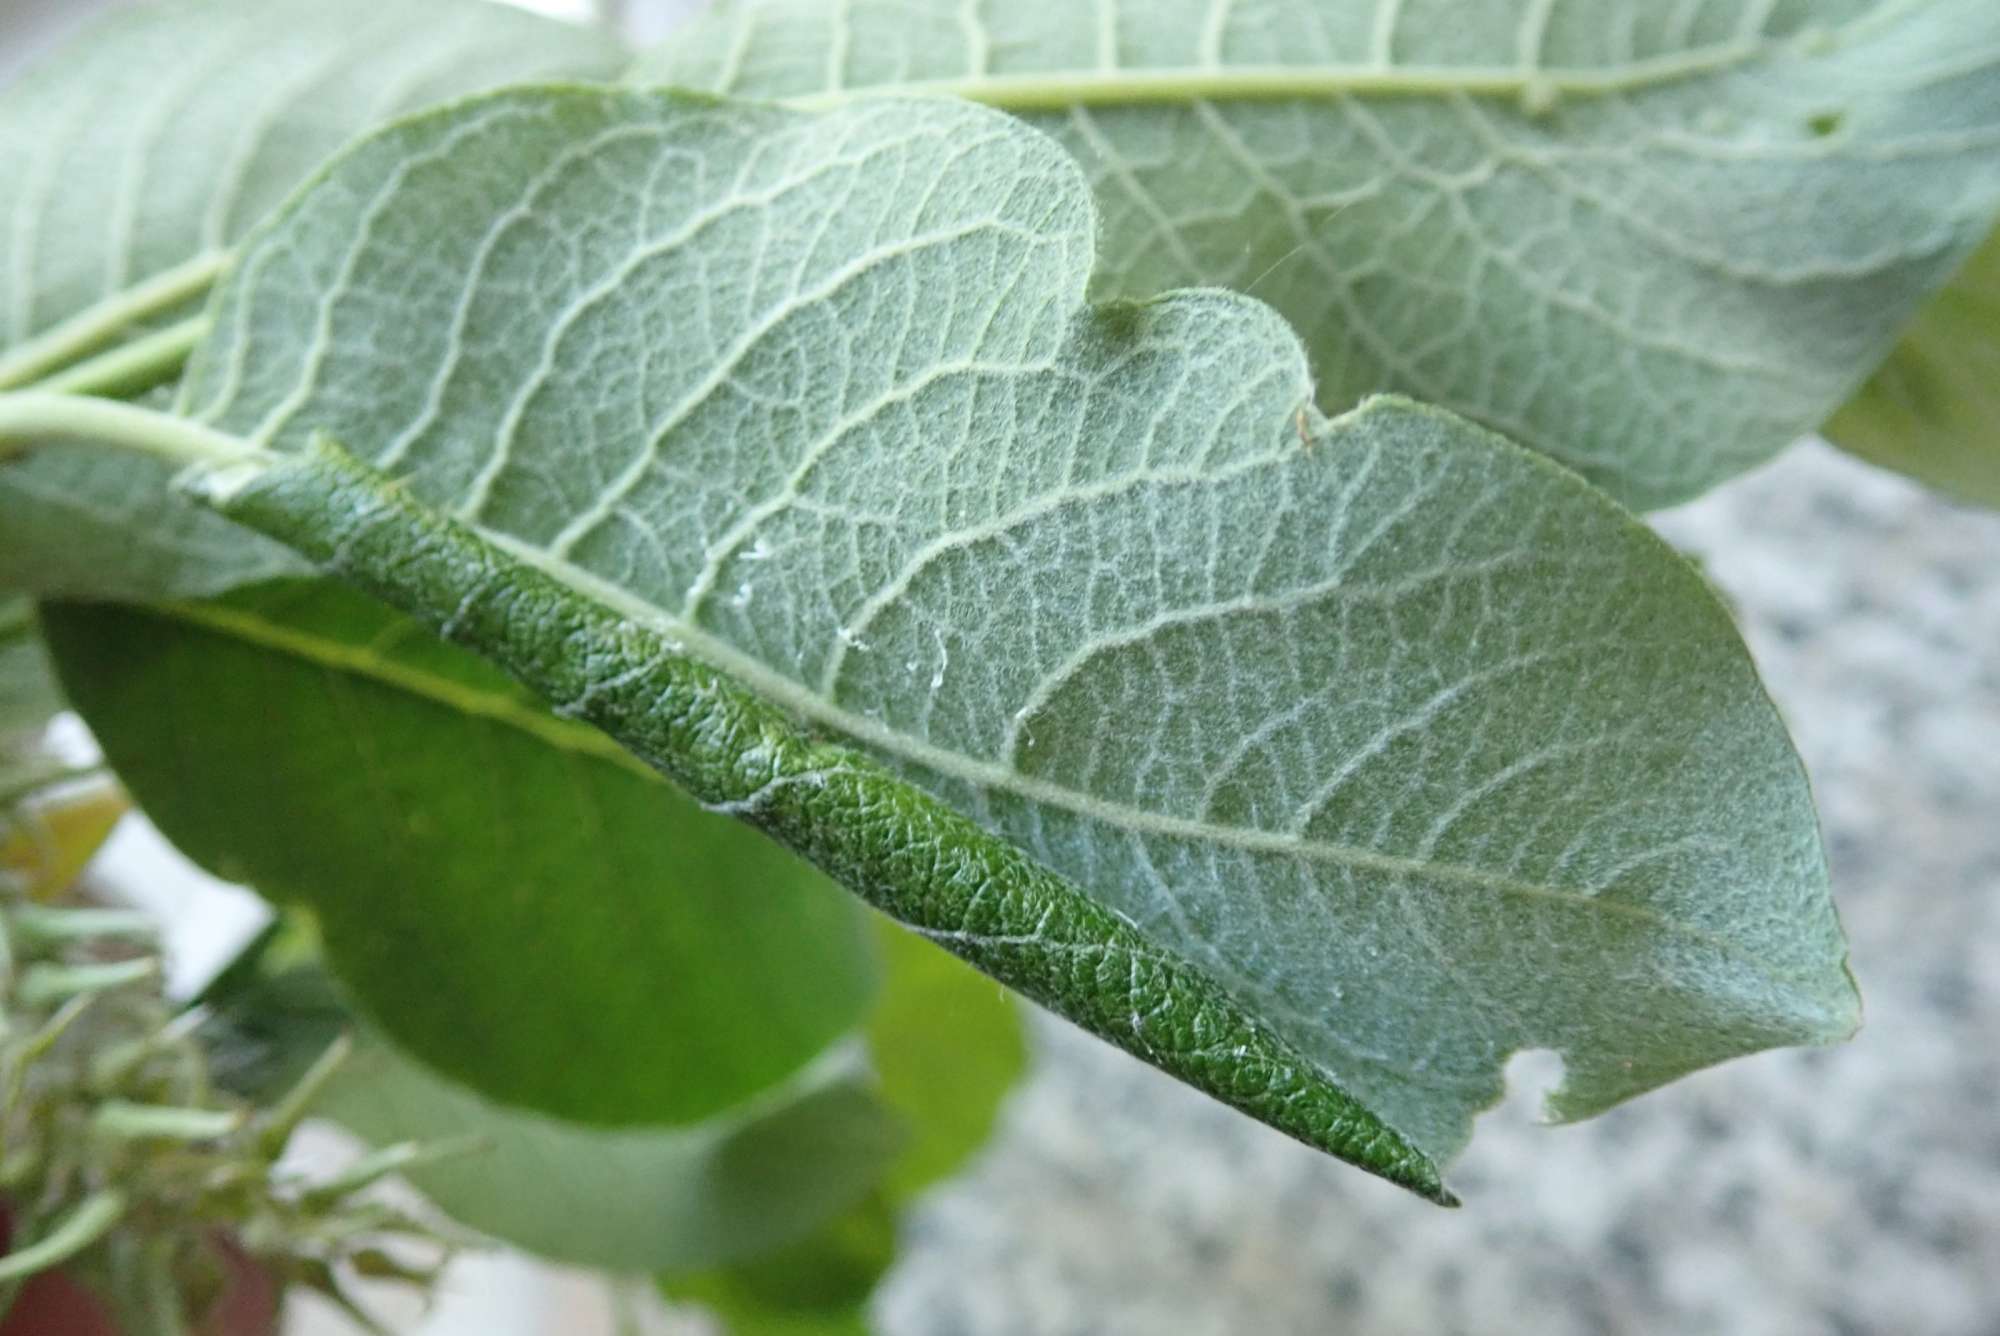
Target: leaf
1933, 409
947, 1045
223, 108
134, 156
270, 1014
47, 840
633, 1200
507, 895
52, 824
818, 1286
1382, 748
1658, 242
28, 694
605, 1038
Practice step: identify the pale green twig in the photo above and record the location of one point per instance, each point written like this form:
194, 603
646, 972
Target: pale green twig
32, 418
86, 1224
276, 1127
129, 1121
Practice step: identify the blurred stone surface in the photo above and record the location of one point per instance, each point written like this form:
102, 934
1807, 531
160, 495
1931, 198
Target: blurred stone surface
1845, 1190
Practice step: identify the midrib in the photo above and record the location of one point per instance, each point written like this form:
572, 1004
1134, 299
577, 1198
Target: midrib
1537, 87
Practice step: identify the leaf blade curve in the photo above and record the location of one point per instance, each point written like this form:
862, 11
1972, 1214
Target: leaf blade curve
1658, 244
1408, 742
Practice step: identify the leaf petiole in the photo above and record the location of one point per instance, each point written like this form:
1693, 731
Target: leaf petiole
1059, 90
34, 417
99, 326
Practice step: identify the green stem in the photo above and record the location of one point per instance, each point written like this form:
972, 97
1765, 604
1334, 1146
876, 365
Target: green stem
39, 926
133, 368
282, 1121
377, 1165
128, 1121
35, 1048
33, 418
82, 1227
1057, 90
165, 1309
44, 985
114, 1066
89, 330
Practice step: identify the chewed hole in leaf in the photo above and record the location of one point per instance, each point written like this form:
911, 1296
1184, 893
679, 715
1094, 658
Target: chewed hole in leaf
1533, 1076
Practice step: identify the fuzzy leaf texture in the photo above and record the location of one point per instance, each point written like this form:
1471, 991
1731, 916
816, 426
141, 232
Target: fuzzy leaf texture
1379, 747
1656, 241
143, 149
1933, 409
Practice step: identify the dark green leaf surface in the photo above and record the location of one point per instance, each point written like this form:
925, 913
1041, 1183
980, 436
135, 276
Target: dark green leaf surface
508, 895
1933, 409
1658, 241
146, 146
818, 1286
1376, 741
746, 1182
